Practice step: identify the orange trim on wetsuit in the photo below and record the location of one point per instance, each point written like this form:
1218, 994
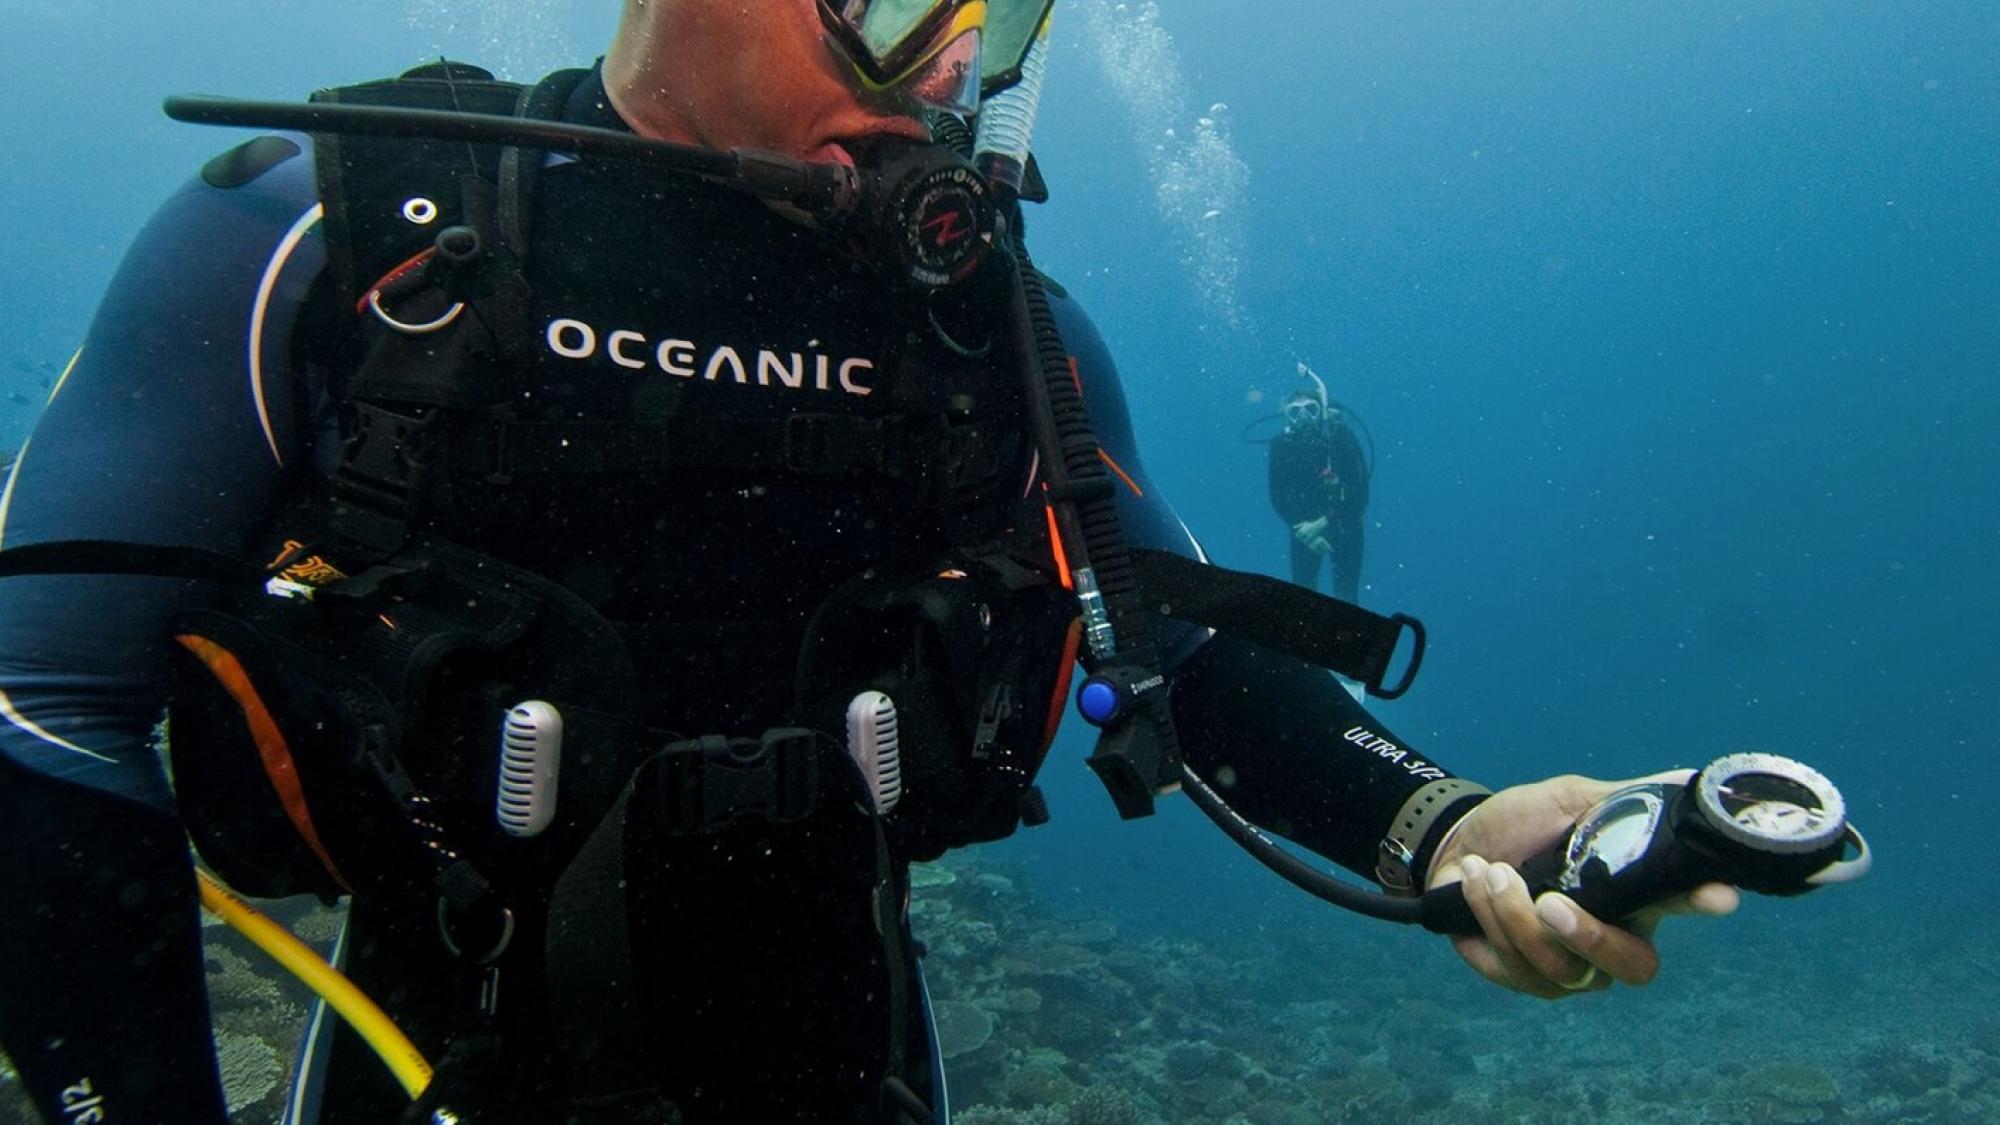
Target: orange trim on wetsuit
272, 748
1122, 474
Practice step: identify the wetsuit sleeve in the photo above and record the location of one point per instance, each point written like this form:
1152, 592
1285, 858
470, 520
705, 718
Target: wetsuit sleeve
175, 424
1281, 740
1294, 472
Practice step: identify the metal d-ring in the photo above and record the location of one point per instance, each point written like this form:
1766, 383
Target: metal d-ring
500, 944
426, 328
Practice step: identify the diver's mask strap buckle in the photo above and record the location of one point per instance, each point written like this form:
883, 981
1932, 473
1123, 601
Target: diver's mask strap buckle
1406, 850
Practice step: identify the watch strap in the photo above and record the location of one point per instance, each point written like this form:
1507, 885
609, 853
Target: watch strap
1402, 853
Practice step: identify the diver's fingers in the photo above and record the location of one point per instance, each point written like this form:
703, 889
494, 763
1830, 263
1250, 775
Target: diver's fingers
1478, 953
1547, 960
1714, 899
1626, 956
1499, 900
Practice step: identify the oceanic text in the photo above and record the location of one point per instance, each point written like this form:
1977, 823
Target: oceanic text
573, 339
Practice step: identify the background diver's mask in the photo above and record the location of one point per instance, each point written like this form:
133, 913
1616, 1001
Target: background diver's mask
945, 53
1302, 412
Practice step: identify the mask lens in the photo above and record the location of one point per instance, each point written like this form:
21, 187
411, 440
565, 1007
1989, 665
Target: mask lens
887, 26
950, 80
1012, 26
929, 49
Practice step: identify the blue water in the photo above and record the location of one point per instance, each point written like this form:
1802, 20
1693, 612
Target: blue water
1678, 327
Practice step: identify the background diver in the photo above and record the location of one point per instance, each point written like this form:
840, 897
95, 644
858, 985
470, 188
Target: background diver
641, 488
1319, 480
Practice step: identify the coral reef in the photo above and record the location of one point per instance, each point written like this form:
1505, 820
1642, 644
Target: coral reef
251, 1069
1322, 1019
930, 876
259, 1014
1082, 1016
962, 1028
1790, 1092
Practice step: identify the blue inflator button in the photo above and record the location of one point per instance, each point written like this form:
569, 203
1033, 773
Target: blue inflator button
1099, 701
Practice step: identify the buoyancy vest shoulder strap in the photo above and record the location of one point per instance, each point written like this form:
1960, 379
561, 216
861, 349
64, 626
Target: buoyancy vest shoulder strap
520, 168
385, 195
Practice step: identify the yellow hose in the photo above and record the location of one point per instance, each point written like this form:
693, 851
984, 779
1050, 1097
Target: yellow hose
297, 958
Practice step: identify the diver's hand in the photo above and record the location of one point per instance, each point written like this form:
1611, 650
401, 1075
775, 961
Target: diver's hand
1549, 947
1308, 531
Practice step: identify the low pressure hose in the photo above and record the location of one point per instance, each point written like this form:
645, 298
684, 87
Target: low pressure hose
369, 1021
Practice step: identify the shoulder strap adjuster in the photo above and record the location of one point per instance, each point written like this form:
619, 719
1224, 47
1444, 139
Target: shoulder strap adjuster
383, 471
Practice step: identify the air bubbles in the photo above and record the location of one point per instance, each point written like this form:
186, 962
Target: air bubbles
1199, 182
522, 39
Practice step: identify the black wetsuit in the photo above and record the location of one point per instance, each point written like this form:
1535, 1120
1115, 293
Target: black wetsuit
1317, 471
206, 395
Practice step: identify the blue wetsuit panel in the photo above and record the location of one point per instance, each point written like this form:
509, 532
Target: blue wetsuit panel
163, 431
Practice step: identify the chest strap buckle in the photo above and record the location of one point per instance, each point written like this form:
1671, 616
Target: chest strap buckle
715, 782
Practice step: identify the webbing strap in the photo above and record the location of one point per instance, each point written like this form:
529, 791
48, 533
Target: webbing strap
1280, 616
519, 168
107, 556
604, 1027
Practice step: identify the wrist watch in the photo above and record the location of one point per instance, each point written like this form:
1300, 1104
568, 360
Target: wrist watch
1402, 854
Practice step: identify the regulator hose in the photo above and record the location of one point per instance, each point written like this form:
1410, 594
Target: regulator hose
368, 1020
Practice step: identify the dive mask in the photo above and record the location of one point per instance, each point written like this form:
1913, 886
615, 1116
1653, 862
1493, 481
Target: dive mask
945, 53
1300, 412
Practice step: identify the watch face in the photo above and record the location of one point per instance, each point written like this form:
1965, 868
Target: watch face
1616, 832
1770, 804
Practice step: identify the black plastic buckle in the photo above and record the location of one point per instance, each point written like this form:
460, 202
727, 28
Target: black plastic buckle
996, 708
389, 447
370, 590
379, 484
719, 782
1409, 676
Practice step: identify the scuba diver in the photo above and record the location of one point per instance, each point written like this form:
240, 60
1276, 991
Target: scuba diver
1319, 487
604, 530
